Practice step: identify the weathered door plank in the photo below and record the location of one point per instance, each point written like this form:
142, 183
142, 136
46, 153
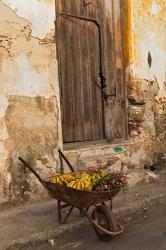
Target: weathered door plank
81, 99
110, 25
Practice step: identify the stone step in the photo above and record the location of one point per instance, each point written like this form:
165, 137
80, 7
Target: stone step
82, 157
118, 157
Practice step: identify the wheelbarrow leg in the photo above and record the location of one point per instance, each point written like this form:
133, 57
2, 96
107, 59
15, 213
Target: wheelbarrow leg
59, 212
60, 209
68, 214
82, 212
111, 206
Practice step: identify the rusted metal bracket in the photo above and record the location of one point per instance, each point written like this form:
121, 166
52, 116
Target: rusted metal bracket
103, 90
87, 2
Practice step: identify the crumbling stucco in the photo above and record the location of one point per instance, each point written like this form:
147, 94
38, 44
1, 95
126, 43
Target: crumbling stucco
148, 35
39, 13
145, 74
29, 110
30, 122
32, 133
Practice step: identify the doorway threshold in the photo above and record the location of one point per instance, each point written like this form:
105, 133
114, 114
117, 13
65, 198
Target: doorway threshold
79, 153
96, 143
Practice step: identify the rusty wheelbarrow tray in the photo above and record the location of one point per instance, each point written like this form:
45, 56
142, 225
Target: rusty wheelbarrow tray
102, 217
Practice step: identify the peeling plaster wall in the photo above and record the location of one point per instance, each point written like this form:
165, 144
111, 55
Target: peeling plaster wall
145, 51
29, 110
149, 28
39, 13
30, 122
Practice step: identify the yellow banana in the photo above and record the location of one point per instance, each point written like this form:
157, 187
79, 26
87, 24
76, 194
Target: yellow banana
67, 178
55, 179
75, 184
79, 185
72, 183
80, 181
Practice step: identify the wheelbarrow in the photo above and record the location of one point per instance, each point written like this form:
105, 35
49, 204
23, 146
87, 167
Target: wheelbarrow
101, 217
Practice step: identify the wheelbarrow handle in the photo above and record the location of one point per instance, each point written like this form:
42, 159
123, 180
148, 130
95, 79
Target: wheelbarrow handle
31, 169
66, 160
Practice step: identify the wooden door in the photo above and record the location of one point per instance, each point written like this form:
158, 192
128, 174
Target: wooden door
80, 70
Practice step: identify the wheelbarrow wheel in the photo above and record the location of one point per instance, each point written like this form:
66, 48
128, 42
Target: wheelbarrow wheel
105, 218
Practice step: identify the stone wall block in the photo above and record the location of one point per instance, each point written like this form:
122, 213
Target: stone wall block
136, 113
137, 91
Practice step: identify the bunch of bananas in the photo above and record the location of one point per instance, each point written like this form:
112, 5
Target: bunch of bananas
62, 179
86, 180
81, 184
81, 181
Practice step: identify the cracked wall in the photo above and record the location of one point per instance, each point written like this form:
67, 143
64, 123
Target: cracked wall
29, 110
146, 75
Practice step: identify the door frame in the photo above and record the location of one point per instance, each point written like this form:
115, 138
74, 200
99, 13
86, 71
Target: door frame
102, 77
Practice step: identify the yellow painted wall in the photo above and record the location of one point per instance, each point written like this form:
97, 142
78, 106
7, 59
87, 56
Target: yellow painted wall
148, 34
